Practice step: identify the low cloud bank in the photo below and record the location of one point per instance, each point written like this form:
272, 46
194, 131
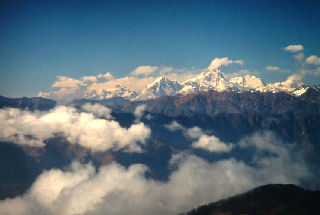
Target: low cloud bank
114, 189
83, 128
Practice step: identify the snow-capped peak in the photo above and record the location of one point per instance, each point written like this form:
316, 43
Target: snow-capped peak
248, 82
162, 86
211, 80
293, 83
117, 91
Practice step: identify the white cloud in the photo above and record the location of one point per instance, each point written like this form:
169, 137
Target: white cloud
115, 190
98, 110
194, 132
138, 112
64, 81
89, 78
218, 62
272, 68
294, 48
32, 128
144, 70
212, 144
313, 59
107, 76
132, 83
174, 126
206, 142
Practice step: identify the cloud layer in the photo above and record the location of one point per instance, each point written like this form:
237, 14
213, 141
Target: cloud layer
83, 128
115, 190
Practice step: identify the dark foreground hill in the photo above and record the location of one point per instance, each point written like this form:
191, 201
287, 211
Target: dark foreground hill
273, 199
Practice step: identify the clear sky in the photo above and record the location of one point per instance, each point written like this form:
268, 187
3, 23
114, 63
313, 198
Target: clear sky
42, 39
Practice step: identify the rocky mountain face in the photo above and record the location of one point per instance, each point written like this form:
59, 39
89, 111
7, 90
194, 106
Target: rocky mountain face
233, 115
269, 199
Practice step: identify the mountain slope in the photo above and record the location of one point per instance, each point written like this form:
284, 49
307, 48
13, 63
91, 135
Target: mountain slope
266, 200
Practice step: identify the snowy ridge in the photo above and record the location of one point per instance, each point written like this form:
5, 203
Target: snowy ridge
118, 91
211, 80
162, 86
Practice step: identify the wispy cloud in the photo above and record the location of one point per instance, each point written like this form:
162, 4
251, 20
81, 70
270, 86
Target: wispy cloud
272, 68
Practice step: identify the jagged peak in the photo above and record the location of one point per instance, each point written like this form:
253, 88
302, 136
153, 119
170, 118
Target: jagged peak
161, 79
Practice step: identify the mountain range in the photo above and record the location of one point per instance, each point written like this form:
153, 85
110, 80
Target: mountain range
227, 110
213, 79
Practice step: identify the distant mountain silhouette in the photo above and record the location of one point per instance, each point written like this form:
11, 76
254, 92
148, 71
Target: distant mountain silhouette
35, 103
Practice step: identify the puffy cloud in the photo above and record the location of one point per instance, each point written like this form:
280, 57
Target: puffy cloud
89, 78
65, 93
32, 128
144, 70
97, 110
294, 48
114, 189
107, 76
174, 126
194, 132
218, 62
70, 88
272, 68
132, 83
64, 81
210, 143
313, 59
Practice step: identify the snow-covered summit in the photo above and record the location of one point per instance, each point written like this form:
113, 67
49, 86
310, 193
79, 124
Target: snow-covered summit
211, 80
117, 91
162, 86
248, 82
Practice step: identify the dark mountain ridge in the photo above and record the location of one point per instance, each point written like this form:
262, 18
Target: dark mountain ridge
35, 103
269, 199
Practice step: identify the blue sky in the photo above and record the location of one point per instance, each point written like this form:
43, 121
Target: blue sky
40, 40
